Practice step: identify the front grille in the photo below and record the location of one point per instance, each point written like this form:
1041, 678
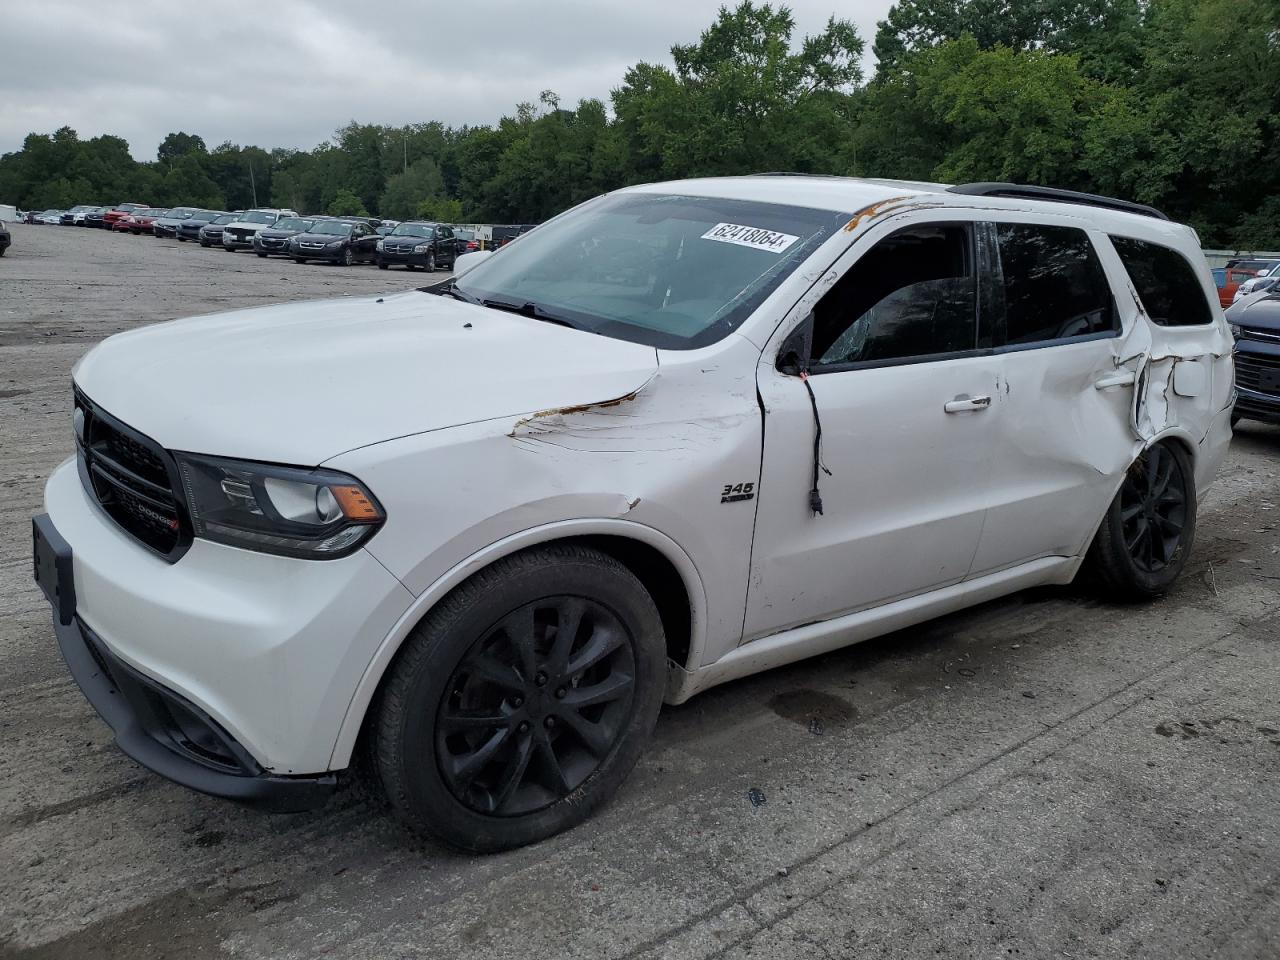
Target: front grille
398, 248
271, 241
1258, 372
311, 245
1265, 336
239, 235
132, 478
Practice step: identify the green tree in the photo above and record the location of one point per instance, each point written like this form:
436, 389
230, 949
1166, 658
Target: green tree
347, 204
405, 191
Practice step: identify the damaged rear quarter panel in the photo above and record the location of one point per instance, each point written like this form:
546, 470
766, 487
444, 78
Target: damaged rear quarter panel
660, 455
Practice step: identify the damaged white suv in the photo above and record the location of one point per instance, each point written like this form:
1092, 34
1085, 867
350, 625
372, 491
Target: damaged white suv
682, 433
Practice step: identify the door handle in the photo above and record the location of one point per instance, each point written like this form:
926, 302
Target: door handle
963, 404
1122, 379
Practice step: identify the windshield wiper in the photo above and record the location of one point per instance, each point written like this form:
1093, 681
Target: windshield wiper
453, 291
534, 311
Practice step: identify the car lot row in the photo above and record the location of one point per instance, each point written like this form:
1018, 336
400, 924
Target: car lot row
412, 244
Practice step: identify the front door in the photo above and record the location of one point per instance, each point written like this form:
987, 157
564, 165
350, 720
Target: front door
904, 384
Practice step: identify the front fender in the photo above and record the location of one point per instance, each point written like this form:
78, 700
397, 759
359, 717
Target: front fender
432, 594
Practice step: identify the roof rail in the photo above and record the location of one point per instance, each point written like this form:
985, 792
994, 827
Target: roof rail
1017, 190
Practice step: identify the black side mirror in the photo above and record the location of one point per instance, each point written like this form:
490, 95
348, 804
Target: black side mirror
794, 354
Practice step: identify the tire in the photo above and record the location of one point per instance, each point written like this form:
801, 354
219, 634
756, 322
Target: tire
431, 263
348, 258
298, 260
204, 243
1158, 494
263, 256
382, 265
539, 746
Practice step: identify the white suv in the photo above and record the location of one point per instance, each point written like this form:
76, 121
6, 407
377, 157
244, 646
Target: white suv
679, 434
239, 233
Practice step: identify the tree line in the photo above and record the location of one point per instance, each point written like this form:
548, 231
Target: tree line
1174, 103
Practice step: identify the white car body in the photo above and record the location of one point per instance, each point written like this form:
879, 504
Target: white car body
239, 234
483, 432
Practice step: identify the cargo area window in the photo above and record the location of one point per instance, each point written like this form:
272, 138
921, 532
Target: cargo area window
1053, 284
1166, 283
911, 296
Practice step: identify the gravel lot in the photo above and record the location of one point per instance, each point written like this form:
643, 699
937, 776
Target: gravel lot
1045, 776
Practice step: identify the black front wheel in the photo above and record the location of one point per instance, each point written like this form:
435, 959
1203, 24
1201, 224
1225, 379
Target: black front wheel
382, 264
348, 258
1146, 536
522, 701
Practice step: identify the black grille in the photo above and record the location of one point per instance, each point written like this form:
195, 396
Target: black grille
132, 478
1257, 372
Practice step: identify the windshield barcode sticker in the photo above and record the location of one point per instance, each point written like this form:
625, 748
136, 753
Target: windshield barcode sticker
757, 238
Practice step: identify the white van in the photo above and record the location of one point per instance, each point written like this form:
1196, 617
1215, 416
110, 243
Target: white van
679, 434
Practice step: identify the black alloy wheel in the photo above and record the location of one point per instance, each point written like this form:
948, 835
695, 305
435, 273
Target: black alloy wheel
431, 262
348, 258
1153, 509
520, 702
1145, 538
535, 705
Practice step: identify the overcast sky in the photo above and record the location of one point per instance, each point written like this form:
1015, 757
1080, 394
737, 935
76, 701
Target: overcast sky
290, 72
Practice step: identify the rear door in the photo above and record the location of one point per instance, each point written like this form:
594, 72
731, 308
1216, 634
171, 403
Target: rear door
1070, 350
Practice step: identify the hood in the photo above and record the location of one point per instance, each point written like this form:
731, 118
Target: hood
251, 227
1259, 310
277, 234
300, 383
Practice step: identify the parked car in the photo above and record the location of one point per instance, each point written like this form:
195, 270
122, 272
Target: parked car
275, 239
386, 226
69, 217
239, 235
95, 217
5, 239
1255, 324
715, 426
1239, 271
48, 217
418, 243
166, 227
1263, 281
119, 212
140, 221
189, 229
211, 233
467, 242
344, 241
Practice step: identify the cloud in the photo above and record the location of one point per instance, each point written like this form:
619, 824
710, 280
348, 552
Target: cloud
290, 72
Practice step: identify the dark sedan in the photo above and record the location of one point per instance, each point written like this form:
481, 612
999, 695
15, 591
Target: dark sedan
189, 229
417, 243
1256, 325
338, 241
210, 234
275, 239
95, 218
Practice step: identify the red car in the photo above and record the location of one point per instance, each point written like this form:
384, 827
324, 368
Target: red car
119, 212
139, 221
1238, 271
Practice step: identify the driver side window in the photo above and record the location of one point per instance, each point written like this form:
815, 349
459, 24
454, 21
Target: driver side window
1054, 285
911, 296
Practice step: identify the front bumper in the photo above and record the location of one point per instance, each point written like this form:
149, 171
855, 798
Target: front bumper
269, 245
395, 259
269, 650
1252, 405
233, 242
324, 253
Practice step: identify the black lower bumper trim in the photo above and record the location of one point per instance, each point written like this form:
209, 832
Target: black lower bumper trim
173, 737
1257, 406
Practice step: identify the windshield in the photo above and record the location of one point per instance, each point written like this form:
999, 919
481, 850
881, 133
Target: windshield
227, 218
668, 271
258, 216
334, 227
413, 230
153, 212
293, 223
467, 235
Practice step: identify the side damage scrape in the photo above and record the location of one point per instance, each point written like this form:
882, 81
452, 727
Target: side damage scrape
518, 429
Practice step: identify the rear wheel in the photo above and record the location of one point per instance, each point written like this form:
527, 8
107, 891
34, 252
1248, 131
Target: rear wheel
522, 701
1147, 533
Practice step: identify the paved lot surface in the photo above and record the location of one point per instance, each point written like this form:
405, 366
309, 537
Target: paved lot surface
1045, 776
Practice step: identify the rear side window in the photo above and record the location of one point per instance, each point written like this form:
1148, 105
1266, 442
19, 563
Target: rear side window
1054, 285
1170, 291
912, 295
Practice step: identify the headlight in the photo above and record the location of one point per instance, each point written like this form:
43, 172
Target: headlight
315, 514
422, 248
378, 245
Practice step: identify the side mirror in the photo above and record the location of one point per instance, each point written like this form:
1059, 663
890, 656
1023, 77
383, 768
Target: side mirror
468, 260
794, 354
